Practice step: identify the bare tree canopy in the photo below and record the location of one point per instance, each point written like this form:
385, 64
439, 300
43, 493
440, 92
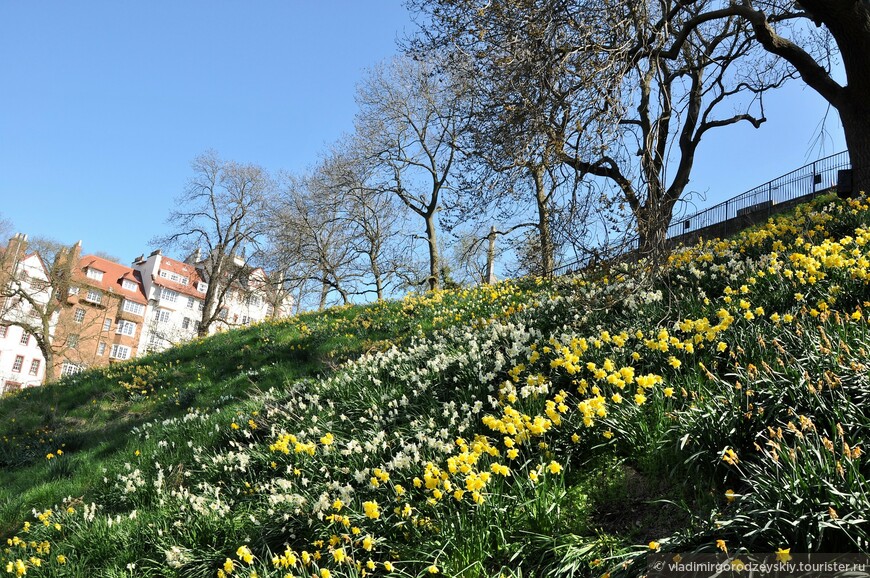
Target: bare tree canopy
35, 281
595, 86
221, 217
804, 34
410, 121
333, 229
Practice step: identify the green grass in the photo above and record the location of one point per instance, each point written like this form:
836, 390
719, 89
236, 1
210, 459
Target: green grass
532, 428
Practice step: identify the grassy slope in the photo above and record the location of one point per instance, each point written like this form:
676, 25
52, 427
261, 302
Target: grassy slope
526, 429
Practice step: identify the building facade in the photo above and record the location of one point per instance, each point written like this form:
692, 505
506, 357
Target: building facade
104, 312
22, 363
103, 316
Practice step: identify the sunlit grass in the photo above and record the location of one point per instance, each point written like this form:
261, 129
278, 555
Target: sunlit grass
527, 428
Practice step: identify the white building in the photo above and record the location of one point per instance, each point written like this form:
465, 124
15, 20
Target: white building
21, 361
176, 297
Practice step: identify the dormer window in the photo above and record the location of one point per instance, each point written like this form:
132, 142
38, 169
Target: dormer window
95, 274
202, 287
174, 277
129, 285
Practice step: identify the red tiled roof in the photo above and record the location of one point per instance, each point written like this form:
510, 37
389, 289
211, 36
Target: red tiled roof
183, 269
113, 276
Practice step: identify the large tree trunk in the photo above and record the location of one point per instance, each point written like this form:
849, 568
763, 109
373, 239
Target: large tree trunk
855, 115
545, 235
379, 283
434, 261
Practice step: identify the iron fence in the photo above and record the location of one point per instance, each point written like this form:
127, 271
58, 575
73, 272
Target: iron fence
816, 177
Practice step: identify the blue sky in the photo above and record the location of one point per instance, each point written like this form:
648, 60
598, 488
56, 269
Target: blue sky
103, 104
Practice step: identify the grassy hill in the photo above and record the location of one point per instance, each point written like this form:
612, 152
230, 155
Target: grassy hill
531, 428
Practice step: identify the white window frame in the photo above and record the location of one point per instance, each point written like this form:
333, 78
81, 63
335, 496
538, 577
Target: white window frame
107, 324
126, 328
133, 307
119, 351
73, 291
101, 348
168, 295
191, 302
95, 274
129, 285
69, 368
79, 315
174, 277
94, 296
185, 323
202, 287
161, 315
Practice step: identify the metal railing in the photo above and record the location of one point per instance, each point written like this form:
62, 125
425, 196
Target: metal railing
810, 179
815, 177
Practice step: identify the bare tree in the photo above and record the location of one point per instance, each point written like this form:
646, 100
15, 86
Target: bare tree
312, 239
804, 34
222, 214
337, 230
35, 281
610, 106
410, 120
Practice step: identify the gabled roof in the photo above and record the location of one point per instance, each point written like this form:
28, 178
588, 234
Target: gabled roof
183, 269
114, 274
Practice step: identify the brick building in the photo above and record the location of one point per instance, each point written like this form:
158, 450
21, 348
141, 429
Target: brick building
103, 316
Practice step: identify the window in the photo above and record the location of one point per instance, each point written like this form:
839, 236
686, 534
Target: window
185, 323
168, 295
34, 366
69, 368
253, 300
161, 315
155, 340
11, 386
246, 320
79, 315
72, 341
120, 352
270, 311
25, 338
73, 290
223, 314
129, 285
126, 328
202, 287
94, 296
174, 277
107, 324
191, 302
133, 307
3, 330
101, 348
95, 274
16, 365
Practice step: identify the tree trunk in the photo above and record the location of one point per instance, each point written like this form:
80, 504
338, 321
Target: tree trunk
324, 292
51, 372
379, 283
544, 233
434, 264
855, 116
653, 220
